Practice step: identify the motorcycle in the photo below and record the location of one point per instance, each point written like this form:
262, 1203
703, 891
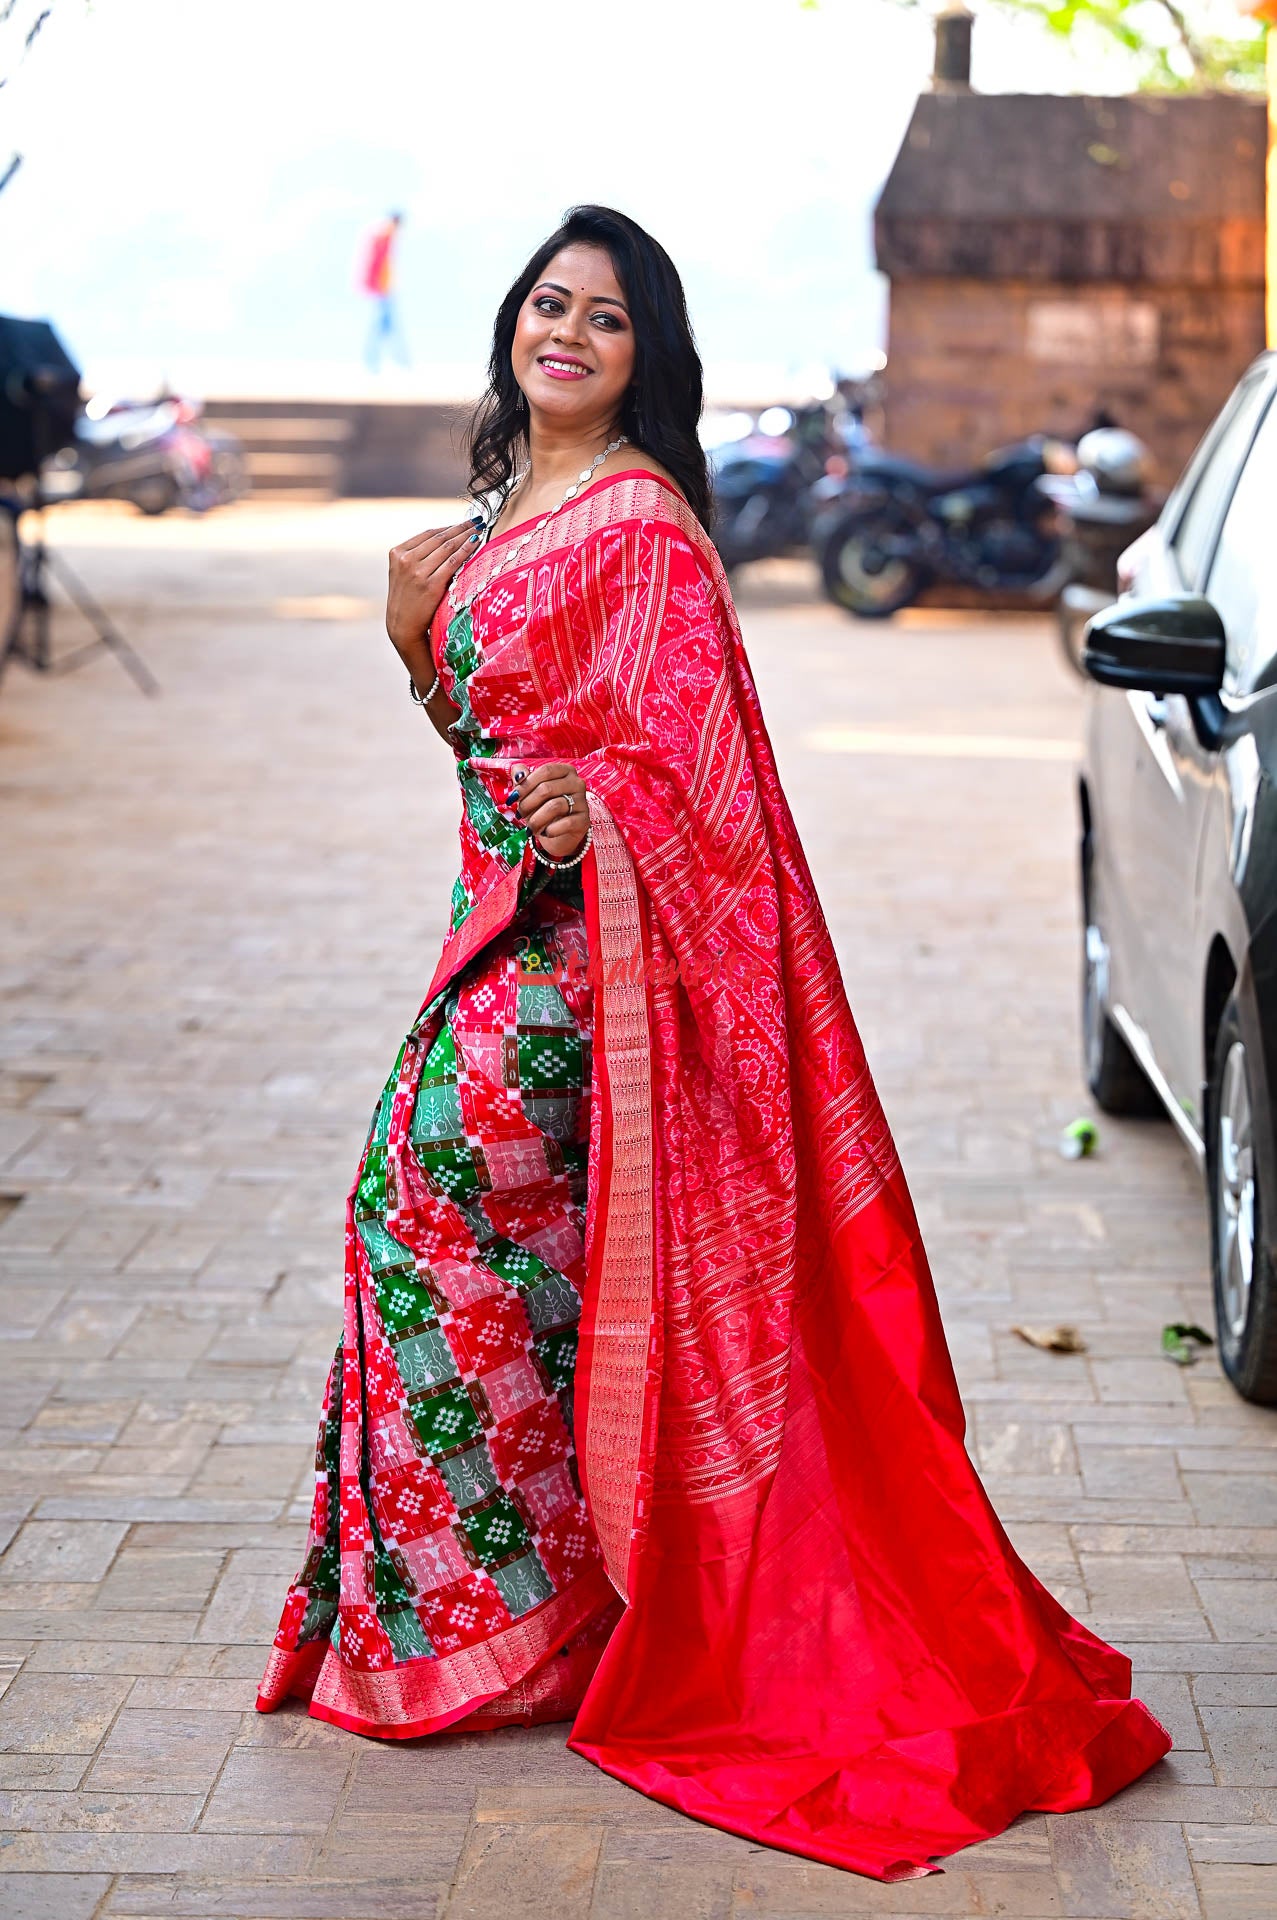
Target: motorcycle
156, 454
1105, 506
762, 484
893, 527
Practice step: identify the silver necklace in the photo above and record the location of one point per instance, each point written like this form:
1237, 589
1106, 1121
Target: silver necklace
512, 553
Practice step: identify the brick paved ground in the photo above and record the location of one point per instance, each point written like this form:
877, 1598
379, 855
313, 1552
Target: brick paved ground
219, 912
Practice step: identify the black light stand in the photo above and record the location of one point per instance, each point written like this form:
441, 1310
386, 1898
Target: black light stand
39, 405
31, 641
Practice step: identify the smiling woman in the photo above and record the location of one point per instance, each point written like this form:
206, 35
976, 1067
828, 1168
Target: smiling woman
592, 336
642, 1412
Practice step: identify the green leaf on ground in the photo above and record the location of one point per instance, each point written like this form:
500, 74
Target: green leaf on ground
1078, 1139
1183, 1342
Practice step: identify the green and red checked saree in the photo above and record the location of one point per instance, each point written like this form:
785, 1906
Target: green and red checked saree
643, 1411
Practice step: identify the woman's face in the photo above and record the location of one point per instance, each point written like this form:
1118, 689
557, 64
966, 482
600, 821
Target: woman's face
573, 352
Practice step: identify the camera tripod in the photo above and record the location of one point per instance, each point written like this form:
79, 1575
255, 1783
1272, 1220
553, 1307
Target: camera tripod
26, 624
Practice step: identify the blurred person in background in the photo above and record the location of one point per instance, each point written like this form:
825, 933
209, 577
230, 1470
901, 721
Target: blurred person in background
642, 1413
378, 282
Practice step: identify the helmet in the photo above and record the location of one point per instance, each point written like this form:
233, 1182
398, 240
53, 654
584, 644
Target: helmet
1119, 462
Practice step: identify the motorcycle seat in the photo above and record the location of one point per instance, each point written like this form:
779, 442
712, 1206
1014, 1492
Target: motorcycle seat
892, 466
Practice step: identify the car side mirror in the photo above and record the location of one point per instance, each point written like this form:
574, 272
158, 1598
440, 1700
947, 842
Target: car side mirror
1174, 645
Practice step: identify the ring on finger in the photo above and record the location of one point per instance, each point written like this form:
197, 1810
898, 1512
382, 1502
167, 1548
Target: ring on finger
571, 803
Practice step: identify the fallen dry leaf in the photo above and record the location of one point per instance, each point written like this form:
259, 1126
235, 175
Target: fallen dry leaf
1062, 1339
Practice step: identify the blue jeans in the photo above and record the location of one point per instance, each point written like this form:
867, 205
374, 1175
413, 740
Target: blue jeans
385, 333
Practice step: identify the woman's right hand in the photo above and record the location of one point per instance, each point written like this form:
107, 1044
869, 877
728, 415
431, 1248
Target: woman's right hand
420, 570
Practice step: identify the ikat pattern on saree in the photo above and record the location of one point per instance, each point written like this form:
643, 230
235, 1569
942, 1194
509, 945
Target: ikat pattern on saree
613, 644
447, 1502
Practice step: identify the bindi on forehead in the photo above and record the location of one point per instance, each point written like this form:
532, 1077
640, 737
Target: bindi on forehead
603, 299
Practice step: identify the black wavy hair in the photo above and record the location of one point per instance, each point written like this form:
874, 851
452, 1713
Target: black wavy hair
662, 405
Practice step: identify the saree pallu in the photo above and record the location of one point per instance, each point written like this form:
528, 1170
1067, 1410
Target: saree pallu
828, 1643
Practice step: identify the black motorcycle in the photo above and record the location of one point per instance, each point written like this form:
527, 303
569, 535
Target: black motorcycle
894, 527
762, 485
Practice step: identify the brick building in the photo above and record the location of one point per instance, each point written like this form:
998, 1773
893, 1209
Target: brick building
1049, 254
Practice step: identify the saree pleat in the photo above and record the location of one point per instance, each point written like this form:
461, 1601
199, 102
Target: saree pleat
451, 1565
828, 1643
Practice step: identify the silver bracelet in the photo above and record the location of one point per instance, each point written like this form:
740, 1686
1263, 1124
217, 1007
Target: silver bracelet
547, 860
422, 699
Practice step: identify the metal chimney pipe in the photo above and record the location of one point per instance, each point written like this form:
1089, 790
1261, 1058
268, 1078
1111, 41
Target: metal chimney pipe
952, 70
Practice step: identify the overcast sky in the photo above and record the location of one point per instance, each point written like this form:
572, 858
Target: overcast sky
198, 177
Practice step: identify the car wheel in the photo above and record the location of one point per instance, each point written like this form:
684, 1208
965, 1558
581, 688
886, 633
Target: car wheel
1244, 1281
1113, 1074
867, 568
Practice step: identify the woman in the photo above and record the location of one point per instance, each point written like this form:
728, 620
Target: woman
643, 1412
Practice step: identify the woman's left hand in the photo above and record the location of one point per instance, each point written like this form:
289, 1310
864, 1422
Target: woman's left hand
551, 802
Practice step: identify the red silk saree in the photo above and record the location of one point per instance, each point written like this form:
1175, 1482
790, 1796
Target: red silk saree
826, 1642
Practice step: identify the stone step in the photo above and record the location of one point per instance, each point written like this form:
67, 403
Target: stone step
270, 430
277, 469
321, 449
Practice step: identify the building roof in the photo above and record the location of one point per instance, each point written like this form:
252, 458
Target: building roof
1056, 185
